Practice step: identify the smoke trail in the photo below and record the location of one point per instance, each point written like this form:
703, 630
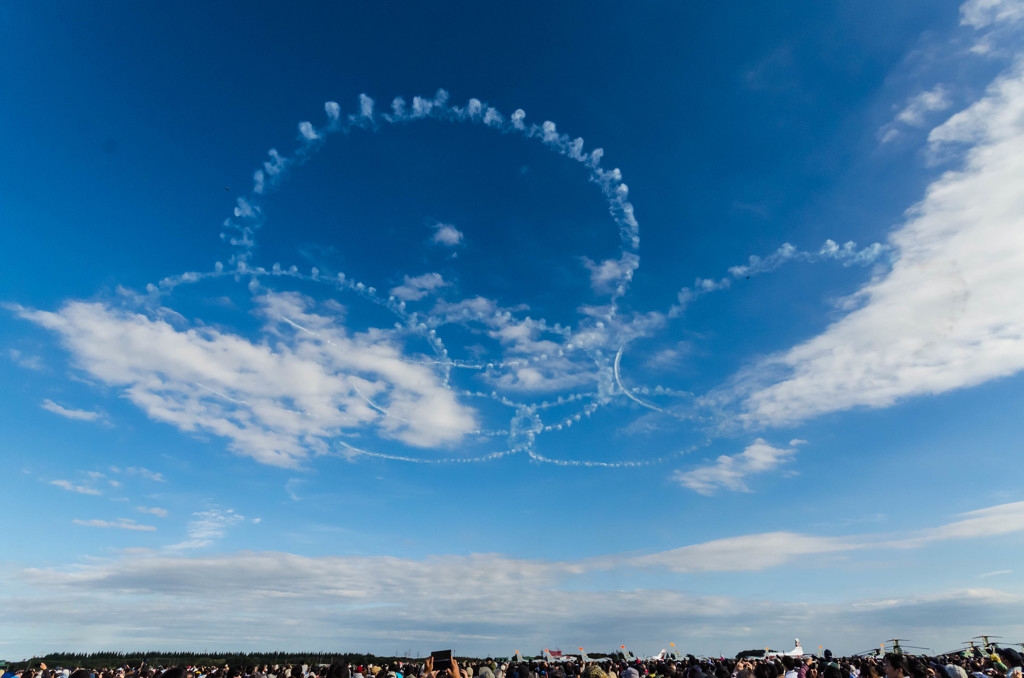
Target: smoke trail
616, 273
847, 255
592, 349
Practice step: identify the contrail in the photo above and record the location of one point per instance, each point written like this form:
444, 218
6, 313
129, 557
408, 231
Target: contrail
625, 391
419, 460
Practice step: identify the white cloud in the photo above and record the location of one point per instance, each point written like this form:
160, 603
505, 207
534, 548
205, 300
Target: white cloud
156, 511
145, 473
547, 377
747, 553
207, 527
947, 315
982, 13
78, 415
29, 362
484, 600
544, 367
539, 358
120, 524
415, 288
70, 487
917, 109
888, 133
731, 472
277, 400
611, 275
447, 235
673, 358
992, 124
757, 552
993, 521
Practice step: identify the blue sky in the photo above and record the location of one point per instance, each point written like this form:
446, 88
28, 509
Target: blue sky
383, 327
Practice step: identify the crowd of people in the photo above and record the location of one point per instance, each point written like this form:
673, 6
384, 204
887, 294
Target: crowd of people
998, 663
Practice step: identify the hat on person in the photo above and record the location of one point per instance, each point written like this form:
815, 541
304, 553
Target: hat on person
1010, 656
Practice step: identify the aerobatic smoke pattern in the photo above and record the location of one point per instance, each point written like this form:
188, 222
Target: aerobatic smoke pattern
311, 386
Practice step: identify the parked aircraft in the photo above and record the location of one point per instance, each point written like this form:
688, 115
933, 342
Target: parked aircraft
797, 651
622, 654
559, 658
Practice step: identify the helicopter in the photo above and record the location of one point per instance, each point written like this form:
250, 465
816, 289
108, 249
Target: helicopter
986, 645
897, 648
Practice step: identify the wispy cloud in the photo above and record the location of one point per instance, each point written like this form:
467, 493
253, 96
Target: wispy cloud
917, 112
996, 573
291, 488
609, 275
415, 288
484, 599
145, 473
541, 357
933, 100
78, 415
982, 13
207, 527
29, 362
993, 521
731, 471
120, 524
946, 315
744, 554
156, 511
773, 549
70, 487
